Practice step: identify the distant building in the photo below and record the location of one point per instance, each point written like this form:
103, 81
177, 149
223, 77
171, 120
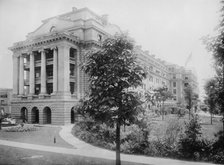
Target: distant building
47, 79
162, 73
5, 100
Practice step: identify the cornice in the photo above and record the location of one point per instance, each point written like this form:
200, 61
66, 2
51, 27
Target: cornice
48, 41
43, 40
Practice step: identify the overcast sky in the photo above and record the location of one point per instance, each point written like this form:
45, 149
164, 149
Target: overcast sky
170, 29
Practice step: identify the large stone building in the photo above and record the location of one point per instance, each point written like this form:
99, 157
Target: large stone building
5, 100
47, 79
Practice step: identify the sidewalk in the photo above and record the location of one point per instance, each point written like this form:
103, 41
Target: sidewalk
92, 151
87, 150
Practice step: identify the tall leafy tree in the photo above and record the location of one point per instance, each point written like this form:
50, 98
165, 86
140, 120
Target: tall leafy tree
162, 94
190, 98
215, 44
211, 89
113, 73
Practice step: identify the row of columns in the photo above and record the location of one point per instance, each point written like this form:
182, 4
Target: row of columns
60, 84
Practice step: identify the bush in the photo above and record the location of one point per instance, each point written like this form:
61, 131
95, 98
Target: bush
217, 149
21, 128
169, 140
191, 145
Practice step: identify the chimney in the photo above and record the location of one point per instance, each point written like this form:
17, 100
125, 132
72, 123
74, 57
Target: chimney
74, 9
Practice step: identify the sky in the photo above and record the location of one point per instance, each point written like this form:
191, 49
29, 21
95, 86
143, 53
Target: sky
170, 29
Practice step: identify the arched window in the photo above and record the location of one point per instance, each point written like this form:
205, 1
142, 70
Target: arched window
53, 29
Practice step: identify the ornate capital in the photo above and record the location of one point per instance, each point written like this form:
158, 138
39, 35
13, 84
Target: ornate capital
53, 47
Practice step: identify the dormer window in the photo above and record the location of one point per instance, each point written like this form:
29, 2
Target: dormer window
53, 29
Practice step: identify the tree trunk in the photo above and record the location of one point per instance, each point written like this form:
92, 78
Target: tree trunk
223, 126
118, 159
163, 111
189, 113
0, 124
211, 117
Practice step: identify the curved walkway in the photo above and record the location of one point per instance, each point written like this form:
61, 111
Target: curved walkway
88, 150
84, 149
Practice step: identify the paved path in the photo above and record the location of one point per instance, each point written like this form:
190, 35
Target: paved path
84, 149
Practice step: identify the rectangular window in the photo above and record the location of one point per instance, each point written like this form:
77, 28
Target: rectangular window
37, 75
37, 89
174, 84
174, 91
174, 98
49, 88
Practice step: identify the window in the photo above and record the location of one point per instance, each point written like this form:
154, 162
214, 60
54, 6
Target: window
151, 78
49, 88
2, 102
3, 96
72, 53
186, 78
53, 29
174, 84
37, 75
49, 71
72, 69
174, 91
174, 76
185, 84
72, 87
37, 89
174, 98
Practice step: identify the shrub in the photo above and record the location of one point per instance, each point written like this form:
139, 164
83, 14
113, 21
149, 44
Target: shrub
21, 128
217, 150
191, 145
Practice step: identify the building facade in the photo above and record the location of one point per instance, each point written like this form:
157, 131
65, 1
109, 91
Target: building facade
172, 76
5, 100
47, 78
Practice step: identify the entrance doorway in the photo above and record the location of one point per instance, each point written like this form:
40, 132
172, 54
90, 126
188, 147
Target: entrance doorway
35, 115
47, 115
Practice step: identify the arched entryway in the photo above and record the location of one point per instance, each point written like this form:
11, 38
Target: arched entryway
24, 114
47, 115
35, 115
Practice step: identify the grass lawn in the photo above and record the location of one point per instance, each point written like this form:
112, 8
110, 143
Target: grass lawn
17, 156
208, 130
43, 136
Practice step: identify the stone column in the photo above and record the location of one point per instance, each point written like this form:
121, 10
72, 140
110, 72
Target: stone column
21, 75
15, 75
78, 74
43, 73
55, 71
31, 77
63, 70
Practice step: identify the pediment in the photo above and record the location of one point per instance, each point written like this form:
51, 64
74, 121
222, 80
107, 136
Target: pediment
52, 25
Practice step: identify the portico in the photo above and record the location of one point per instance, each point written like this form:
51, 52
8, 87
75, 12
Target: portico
57, 66
47, 76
